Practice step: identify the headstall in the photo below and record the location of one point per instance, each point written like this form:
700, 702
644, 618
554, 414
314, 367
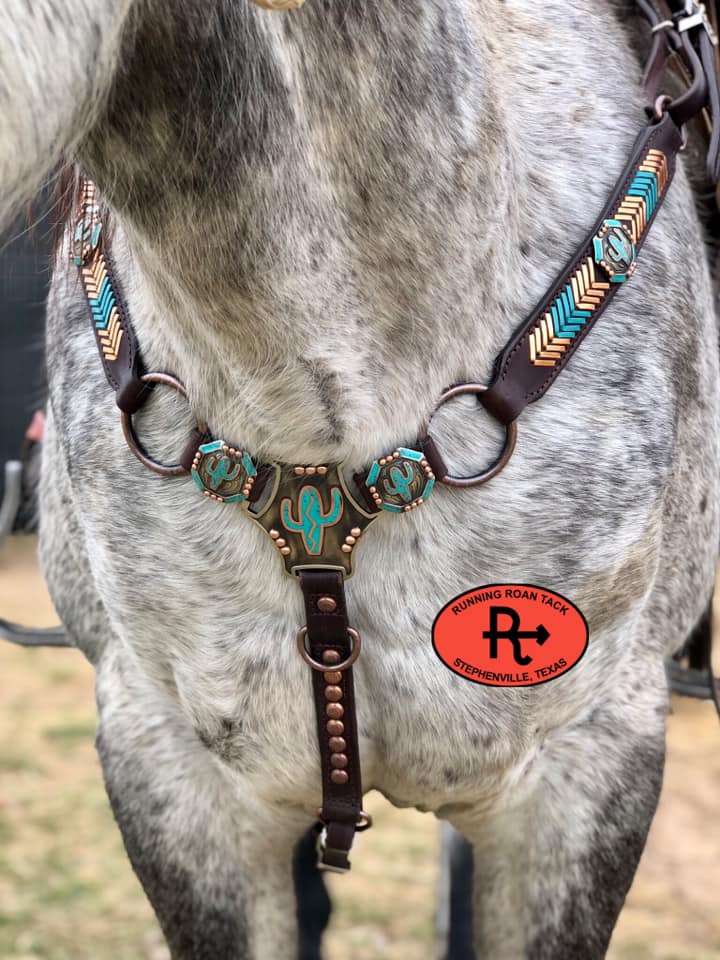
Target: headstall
315, 515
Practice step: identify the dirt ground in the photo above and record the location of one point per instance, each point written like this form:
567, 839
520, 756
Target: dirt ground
68, 893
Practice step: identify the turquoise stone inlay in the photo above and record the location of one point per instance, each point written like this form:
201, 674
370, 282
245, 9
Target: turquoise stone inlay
312, 518
614, 250
401, 481
222, 472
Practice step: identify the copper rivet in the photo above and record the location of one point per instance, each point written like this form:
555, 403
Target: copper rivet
330, 657
280, 542
337, 744
350, 540
333, 693
339, 777
339, 761
335, 711
274, 534
310, 470
327, 605
335, 728
333, 677
322, 470
299, 471
285, 551
356, 531
346, 548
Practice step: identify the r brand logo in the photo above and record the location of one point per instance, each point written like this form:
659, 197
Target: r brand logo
510, 635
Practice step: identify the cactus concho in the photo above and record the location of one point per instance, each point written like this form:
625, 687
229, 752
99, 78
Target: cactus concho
311, 517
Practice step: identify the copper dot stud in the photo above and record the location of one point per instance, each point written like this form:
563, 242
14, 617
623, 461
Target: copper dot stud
356, 531
339, 761
322, 471
337, 744
339, 777
274, 534
346, 548
327, 604
333, 676
331, 656
280, 542
310, 471
351, 540
335, 728
333, 693
299, 471
285, 551
335, 711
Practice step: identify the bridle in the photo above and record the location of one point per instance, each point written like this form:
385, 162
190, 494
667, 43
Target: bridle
315, 514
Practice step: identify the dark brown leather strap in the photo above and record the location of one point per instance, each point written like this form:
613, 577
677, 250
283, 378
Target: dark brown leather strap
114, 335
683, 38
329, 643
579, 295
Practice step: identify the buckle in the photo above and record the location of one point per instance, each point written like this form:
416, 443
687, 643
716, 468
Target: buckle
695, 15
329, 860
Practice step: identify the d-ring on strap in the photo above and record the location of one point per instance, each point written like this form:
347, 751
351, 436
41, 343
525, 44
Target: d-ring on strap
328, 641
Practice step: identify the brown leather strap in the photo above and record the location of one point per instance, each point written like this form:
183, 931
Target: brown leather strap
683, 39
328, 642
114, 334
520, 379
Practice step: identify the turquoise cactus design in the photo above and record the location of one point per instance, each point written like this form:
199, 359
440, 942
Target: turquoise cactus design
401, 480
219, 472
312, 519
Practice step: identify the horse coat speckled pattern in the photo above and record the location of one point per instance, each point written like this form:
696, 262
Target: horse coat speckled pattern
322, 218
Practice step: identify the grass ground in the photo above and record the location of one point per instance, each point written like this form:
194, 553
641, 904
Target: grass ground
68, 893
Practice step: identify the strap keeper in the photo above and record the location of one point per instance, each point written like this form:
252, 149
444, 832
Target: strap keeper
132, 395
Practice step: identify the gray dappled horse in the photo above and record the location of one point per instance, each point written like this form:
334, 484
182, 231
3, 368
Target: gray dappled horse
320, 219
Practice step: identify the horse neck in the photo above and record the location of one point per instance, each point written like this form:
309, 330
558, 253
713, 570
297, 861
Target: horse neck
313, 213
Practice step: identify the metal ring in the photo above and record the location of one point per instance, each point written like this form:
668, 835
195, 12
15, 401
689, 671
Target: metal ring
505, 454
660, 106
365, 821
325, 667
131, 438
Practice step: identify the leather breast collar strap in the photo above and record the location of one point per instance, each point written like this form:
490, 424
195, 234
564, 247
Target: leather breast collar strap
315, 515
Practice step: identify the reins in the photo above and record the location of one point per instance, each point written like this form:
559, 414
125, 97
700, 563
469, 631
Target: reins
315, 514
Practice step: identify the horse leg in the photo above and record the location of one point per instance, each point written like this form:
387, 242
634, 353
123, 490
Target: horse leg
214, 860
557, 851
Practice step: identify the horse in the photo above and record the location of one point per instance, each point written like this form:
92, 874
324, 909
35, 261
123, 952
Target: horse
321, 218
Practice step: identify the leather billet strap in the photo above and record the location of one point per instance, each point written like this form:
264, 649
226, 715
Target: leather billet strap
684, 36
542, 347
328, 642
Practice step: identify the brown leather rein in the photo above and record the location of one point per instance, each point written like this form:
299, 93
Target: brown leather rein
315, 514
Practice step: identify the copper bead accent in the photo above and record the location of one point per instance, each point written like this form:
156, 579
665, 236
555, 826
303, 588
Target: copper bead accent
327, 605
337, 744
333, 693
330, 657
339, 777
334, 676
335, 728
335, 711
338, 761
355, 532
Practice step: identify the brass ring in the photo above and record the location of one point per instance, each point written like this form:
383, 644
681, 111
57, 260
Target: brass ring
131, 438
365, 821
505, 453
325, 667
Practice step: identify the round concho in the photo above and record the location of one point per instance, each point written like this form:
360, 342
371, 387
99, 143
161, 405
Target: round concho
614, 251
223, 473
401, 481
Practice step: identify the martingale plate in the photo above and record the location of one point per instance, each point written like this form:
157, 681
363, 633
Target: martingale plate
312, 518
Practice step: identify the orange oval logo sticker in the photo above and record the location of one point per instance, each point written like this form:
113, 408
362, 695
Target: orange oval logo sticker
510, 635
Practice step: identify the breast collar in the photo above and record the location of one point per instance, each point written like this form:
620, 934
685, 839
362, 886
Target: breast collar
315, 514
